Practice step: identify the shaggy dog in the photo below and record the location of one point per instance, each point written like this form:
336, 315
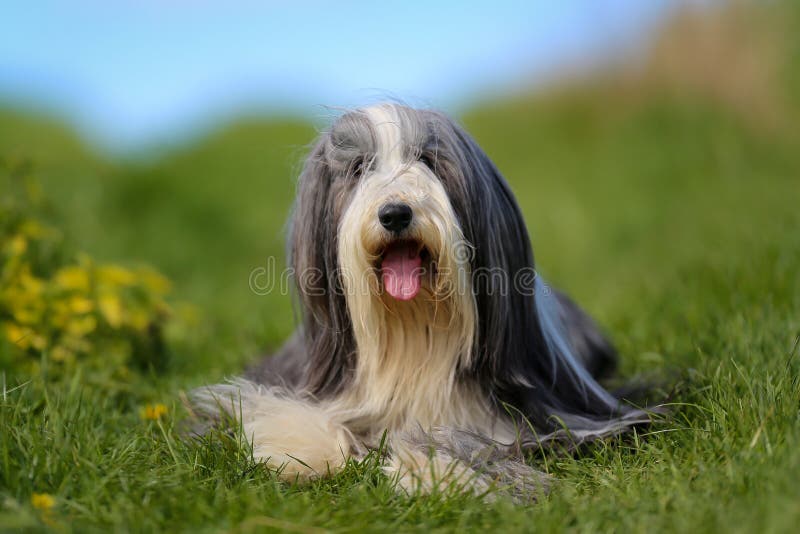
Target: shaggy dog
424, 323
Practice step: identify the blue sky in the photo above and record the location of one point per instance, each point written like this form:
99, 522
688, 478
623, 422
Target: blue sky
127, 73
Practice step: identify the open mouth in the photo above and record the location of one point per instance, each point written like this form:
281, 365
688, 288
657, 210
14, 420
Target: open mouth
401, 268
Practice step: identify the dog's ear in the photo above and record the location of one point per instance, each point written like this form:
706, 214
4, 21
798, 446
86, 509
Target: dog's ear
312, 251
522, 347
308, 241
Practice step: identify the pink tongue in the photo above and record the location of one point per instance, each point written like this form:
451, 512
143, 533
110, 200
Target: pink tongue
401, 271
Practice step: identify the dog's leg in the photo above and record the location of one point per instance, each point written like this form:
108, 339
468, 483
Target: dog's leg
432, 471
295, 436
449, 459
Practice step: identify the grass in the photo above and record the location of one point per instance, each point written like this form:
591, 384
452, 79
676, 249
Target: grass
675, 221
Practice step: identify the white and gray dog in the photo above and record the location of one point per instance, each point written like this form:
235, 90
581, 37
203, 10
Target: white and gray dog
424, 324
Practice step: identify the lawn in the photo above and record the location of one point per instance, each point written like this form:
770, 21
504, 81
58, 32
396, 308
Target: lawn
673, 218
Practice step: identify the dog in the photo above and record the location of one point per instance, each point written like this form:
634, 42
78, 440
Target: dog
425, 328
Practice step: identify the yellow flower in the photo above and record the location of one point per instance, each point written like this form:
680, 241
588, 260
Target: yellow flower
18, 335
153, 412
30, 314
80, 305
115, 275
111, 309
72, 278
154, 281
18, 245
24, 337
31, 285
81, 326
43, 501
61, 314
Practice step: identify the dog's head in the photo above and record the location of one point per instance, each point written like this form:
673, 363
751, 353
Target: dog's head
399, 207
378, 194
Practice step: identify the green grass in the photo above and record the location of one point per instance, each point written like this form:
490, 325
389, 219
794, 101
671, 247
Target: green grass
676, 222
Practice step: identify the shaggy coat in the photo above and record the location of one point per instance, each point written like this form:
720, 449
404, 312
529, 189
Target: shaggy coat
462, 362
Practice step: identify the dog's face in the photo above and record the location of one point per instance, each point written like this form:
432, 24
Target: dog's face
398, 235
387, 210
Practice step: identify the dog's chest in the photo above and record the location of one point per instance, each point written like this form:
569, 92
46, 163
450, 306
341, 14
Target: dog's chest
413, 384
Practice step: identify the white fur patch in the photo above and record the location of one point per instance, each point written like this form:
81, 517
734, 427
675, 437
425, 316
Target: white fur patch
297, 437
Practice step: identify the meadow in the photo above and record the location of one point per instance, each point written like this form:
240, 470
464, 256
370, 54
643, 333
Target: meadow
673, 216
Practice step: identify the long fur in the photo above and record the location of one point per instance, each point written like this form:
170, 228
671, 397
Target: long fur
485, 361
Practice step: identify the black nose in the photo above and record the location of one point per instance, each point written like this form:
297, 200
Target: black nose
395, 217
